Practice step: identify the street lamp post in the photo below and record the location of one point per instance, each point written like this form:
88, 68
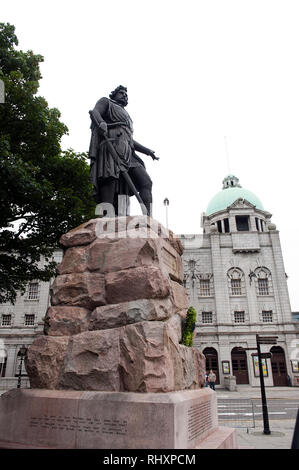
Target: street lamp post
166, 204
22, 352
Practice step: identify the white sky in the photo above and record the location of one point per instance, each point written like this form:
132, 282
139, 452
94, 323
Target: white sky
196, 71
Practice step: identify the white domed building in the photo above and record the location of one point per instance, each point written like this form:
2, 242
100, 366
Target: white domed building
236, 280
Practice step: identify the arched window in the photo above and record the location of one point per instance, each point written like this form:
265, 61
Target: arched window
239, 363
279, 367
212, 361
236, 281
263, 281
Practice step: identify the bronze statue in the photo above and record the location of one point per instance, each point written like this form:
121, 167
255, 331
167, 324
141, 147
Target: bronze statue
115, 169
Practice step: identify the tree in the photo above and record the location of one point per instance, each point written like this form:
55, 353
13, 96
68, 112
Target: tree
44, 192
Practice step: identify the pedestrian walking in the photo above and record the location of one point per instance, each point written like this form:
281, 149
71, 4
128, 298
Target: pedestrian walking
212, 380
207, 379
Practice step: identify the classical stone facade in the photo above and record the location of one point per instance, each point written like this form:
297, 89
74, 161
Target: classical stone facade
236, 280
19, 324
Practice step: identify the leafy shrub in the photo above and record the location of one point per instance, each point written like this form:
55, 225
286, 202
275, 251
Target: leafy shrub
189, 327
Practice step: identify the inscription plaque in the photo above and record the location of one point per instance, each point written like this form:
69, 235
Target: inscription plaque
170, 261
73, 424
199, 420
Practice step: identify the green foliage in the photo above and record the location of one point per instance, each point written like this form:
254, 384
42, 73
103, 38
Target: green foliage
189, 327
44, 192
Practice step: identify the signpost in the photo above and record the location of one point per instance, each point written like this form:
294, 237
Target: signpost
266, 355
263, 340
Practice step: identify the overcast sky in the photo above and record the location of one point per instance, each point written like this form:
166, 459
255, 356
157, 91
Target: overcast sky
196, 71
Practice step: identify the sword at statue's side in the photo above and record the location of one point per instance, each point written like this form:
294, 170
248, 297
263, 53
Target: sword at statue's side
119, 165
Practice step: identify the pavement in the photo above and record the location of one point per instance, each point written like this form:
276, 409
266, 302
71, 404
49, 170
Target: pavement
245, 391
282, 430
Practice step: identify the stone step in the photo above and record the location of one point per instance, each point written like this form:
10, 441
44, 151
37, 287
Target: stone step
222, 438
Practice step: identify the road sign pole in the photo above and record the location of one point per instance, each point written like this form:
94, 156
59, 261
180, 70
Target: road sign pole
263, 393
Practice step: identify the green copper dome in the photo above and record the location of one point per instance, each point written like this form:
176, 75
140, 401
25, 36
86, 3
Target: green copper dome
230, 193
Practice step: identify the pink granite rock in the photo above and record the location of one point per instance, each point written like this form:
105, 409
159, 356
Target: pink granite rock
142, 357
174, 328
137, 283
74, 260
145, 364
199, 360
81, 235
170, 261
139, 226
115, 323
179, 298
193, 364
79, 289
109, 255
176, 243
44, 361
66, 320
92, 362
152, 360
142, 226
106, 227
97, 254
116, 315
123, 254
186, 362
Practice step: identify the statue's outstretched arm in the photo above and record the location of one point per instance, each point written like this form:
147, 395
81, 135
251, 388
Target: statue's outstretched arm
140, 148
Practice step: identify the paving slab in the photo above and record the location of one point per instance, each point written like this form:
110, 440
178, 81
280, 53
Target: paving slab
280, 438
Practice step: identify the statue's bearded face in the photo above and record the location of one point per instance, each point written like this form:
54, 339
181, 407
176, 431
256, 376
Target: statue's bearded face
121, 97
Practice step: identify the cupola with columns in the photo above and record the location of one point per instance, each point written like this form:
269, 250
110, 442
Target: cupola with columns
234, 210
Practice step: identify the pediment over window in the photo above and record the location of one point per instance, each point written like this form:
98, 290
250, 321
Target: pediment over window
241, 204
244, 204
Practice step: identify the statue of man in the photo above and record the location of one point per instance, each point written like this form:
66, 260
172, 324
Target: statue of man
115, 126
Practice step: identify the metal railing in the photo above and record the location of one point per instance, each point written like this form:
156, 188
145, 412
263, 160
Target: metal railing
236, 413
6, 383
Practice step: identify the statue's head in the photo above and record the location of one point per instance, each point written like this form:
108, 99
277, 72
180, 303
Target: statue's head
119, 95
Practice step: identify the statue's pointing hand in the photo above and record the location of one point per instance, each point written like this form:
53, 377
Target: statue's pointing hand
152, 154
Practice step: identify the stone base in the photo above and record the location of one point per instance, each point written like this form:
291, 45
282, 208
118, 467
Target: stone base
55, 419
230, 383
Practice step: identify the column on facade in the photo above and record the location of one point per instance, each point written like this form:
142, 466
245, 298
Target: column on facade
224, 355
252, 301
279, 278
232, 223
280, 289
222, 226
253, 224
11, 360
220, 282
